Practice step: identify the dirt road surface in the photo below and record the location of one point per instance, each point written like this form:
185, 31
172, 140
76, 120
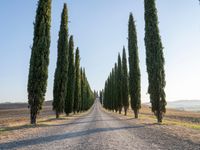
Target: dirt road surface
98, 130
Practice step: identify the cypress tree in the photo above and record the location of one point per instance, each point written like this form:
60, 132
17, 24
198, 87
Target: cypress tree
87, 98
77, 93
154, 60
112, 88
134, 70
110, 92
69, 100
116, 88
124, 82
85, 86
101, 97
119, 84
82, 86
105, 95
86, 95
39, 61
60, 78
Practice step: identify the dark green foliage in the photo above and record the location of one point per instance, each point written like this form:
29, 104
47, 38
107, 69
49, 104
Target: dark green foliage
119, 84
125, 94
61, 73
101, 96
83, 95
110, 93
134, 70
115, 86
77, 92
106, 96
113, 90
110, 90
116, 91
38, 70
87, 97
154, 60
69, 100
82, 81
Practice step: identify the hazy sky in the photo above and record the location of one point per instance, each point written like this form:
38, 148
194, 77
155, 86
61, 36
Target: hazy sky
100, 30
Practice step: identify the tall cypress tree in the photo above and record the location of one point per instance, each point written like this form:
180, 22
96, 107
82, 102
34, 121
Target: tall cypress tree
69, 100
82, 86
154, 60
112, 89
119, 84
77, 95
134, 70
85, 89
116, 88
60, 78
101, 96
124, 82
39, 61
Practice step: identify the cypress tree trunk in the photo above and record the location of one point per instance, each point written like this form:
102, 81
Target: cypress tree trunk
125, 112
60, 79
136, 111
134, 70
69, 100
124, 81
154, 60
39, 61
77, 82
57, 115
33, 116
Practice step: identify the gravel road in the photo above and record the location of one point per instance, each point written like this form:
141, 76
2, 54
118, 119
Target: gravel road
99, 130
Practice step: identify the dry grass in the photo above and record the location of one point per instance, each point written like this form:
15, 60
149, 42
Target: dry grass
13, 118
17, 117
173, 117
176, 115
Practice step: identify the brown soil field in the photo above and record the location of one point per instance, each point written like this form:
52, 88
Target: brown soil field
15, 114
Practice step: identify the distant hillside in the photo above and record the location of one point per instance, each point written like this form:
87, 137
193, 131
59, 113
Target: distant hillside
187, 105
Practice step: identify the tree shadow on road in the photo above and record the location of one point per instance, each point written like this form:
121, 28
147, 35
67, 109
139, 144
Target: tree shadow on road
46, 123
20, 127
53, 138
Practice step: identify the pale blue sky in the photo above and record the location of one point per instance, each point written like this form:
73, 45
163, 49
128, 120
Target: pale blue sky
100, 30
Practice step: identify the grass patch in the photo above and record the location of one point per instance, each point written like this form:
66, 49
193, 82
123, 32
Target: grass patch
184, 124
41, 122
3, 129
148, 118
173, 122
